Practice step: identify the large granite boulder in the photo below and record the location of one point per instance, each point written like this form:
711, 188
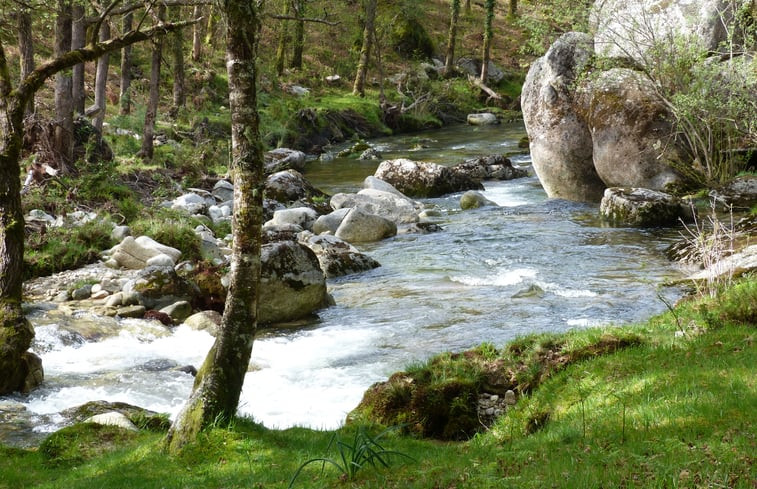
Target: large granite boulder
560, 141
423, 179
625, 28
641, 207
138, 253
631, 132
304, 217
336, 256
292, 284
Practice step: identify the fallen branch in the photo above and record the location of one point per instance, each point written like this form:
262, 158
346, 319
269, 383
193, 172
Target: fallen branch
478, 83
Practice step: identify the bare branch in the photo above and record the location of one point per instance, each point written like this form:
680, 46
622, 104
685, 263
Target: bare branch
324, 20
36, 78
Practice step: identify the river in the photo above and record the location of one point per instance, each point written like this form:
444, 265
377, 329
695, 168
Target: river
533, 264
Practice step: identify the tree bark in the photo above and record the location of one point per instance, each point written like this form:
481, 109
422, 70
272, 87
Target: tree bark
151, 113
64, 109
513, 8
78, 40
449, 61
365, 51
299, 34
124, 96
467, 7
488, 34
26, 48
283, 39
219, 382
101, 80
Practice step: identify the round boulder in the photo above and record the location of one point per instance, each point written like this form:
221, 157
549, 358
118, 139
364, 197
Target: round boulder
361, 227
473, 200
337, 257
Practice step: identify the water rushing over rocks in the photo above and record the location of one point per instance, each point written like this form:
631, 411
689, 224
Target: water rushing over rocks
531, 264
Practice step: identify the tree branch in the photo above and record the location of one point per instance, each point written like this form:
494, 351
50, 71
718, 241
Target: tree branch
130, 7
36, 78
305, 19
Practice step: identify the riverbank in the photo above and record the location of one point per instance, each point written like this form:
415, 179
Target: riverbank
674, 410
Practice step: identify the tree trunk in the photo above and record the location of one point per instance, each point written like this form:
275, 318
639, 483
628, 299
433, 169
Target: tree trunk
26, 48
219, 382
197, 35
78, 40
487, 39
152, 104
513, 9
467, 7
177, 54
365, 50
64, 128
449, 61
15, 331
283, 39
124, 96
101, 80
299, 34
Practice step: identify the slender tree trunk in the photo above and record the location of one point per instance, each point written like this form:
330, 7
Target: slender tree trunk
365, 50
152, 104
283, 39
219, 382
78, 39
64, 128
101, 79
449, 61
177, 55
197, 35
26, 48
299, 34
488, 34
467, 7
125, 92
513, 8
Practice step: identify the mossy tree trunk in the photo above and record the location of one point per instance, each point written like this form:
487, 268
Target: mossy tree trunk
25, 47
299, 34
64, 108
283, 39
449, 60
489, 7
365, 49
197, 34
124, 96
78, 40
177, 55
513, 8
101, 79
15, 331
151, 113
219, 382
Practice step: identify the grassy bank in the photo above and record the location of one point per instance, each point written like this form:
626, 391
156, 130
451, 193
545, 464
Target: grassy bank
675, 409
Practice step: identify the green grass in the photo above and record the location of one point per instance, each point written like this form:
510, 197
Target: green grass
668, 411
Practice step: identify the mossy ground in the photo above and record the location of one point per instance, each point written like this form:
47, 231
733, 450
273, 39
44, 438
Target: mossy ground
674, 408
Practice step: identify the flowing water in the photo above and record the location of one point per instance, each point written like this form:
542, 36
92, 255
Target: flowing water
531, 265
